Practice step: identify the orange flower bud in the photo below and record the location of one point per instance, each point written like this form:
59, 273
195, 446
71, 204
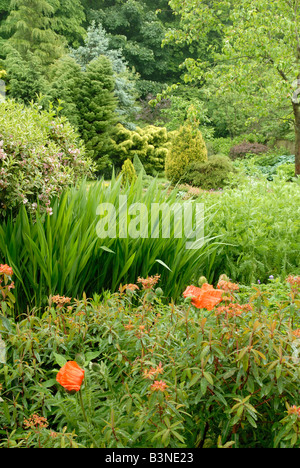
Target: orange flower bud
70, 376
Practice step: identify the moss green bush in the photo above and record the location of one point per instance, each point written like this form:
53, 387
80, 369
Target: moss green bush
212, 174
187, 146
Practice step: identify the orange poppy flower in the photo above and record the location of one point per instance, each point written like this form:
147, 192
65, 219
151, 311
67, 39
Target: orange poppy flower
205, 297
70, 376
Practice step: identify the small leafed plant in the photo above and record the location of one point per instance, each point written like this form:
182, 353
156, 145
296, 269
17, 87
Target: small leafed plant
220, 368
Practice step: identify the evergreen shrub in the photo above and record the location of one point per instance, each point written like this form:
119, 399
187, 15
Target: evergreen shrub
187, 146
211, 174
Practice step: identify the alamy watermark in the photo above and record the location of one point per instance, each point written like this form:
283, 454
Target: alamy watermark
159, 221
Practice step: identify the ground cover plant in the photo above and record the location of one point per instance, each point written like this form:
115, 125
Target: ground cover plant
218, 369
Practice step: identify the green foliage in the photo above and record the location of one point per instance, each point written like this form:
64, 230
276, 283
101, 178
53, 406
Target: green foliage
96, 44
139, 29
63, 254
96, 107
128, 173
150, 144
24, 77
31, 28
187, 146
212, 174
259, 229
69, 18
225, 379
65, 79
268, 165
248, 70
40, 155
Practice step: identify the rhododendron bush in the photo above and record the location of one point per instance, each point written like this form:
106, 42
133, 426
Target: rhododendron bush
40, 155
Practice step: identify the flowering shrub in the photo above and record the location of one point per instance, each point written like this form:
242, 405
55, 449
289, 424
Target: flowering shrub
156, 375
40, 155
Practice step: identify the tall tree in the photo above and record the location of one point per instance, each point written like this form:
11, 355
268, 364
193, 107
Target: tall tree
135, 27
68, 20
96, 107
96, 44
260, 56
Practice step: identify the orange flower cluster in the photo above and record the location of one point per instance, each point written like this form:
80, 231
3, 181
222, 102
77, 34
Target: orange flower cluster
35, 421
296, 332
6, 270
153, 372
233, 309
205, 297
294, 410
129, 326
61, 301
159, 386
150, 282
293, 280
130, 287
70, 376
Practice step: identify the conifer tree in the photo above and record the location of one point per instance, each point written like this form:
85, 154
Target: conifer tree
187, 146
96, 107
64, 87
25, 77
31, 28
97, 43
68, 19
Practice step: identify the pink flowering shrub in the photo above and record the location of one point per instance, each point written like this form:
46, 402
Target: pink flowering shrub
40, 155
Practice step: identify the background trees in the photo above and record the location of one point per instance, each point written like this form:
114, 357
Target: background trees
258, 63
237, 65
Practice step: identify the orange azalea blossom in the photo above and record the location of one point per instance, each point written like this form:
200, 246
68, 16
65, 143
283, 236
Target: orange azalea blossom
296, 332
205, 297
159, 386
6, 270
70, 376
